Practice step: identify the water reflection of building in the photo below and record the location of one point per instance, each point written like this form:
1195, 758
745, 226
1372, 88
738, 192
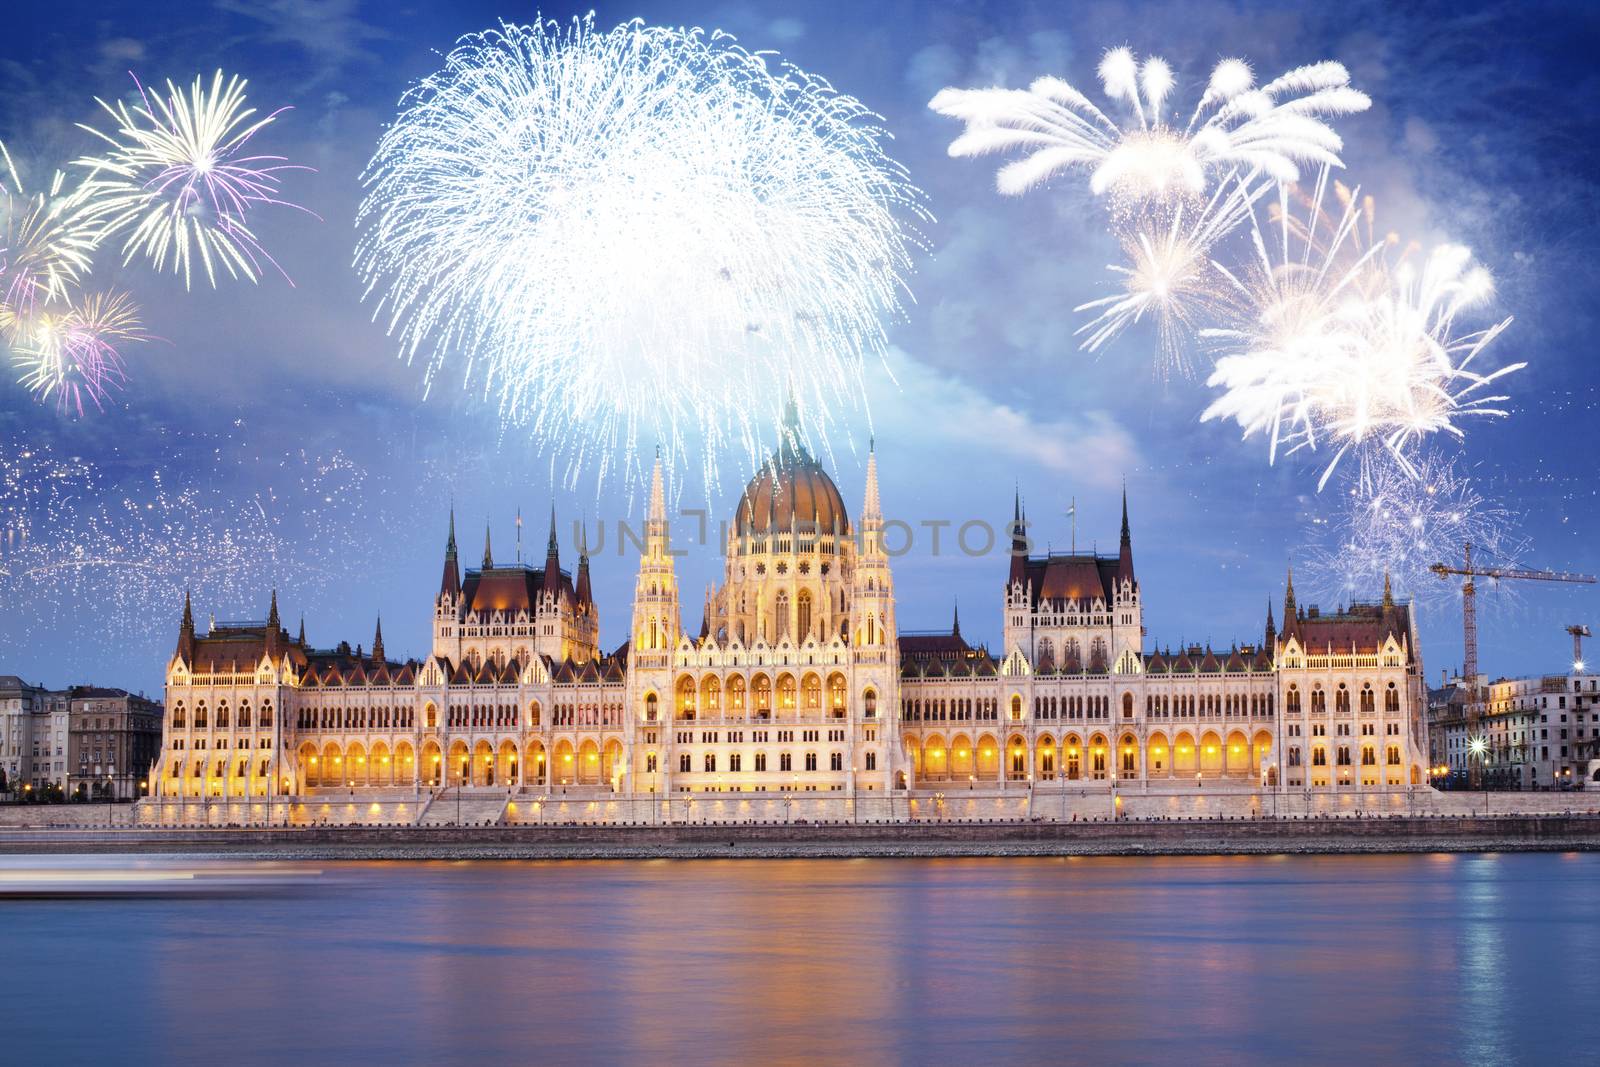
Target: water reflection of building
798, 680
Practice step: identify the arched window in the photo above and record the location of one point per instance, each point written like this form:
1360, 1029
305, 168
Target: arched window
869, 703
803, 627
1294, 700
1127, 705
1016, 708
651, 708
1391, 700
780, 625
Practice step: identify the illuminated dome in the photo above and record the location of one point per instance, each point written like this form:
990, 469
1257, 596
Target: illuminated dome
790, 488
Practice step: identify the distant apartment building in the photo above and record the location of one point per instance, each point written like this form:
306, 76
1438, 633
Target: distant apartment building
83, 739
1536, 732
113, 739
33, 735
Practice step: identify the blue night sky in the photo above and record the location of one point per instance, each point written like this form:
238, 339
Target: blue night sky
271, 438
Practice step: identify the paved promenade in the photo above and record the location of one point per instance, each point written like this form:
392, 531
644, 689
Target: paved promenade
1326, 834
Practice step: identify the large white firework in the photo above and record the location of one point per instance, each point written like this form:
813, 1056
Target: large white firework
1393, 522
640, 236
177, 182
1152, 153
1337, 339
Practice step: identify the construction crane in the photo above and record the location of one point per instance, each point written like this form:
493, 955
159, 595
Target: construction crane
1578, 632
1469, 620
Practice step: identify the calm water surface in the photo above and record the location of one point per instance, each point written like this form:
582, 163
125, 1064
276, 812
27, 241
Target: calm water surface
1440, 959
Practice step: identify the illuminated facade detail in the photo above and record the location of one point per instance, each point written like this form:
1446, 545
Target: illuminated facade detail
798, 681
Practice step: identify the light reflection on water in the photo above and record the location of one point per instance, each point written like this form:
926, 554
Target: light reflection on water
1484, 959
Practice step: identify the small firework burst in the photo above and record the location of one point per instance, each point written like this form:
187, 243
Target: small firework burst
177, 180
73, 355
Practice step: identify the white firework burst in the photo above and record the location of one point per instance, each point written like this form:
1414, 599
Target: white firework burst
177, 181
1393, 522
1335, 339
640, 236
1272, 129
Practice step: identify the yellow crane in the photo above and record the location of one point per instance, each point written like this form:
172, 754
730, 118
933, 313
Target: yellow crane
1469, 620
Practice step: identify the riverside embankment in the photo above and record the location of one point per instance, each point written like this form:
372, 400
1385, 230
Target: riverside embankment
1515, 833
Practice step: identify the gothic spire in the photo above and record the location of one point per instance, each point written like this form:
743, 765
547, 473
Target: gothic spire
955, 622
1019, 542
552, 559
1125, 552
186, 631
582, 591
872, 510
450, 581
377, 642
1288, 602
488, 556
301, 640
272, 612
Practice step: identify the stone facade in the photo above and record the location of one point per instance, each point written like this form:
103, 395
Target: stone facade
798, 684
113, 739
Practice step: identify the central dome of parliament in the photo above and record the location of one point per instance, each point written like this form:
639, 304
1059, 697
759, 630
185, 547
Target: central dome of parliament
790, 488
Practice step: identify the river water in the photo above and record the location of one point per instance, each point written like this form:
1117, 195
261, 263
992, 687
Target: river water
1347, 959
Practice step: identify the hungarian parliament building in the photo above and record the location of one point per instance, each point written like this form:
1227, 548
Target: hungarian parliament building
799, 680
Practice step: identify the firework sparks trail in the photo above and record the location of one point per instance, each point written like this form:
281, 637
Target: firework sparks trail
96, 556
1334, 338
176, 180
1235, 125
640, 235
1171, 277
1390, 521
74, 355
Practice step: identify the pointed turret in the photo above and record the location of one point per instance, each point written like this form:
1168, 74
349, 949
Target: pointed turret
955, 621
1019, 542
377, 642
1272, 629
658, 496
791, 444
186, 631
552, 560
301, 640
450, 583
705, 615
488, 556
275, 632
582, 591
872, 507
1390, 617
1125, 555
1288, 604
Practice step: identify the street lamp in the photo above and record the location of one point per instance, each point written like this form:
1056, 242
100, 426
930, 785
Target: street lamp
1479, 747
